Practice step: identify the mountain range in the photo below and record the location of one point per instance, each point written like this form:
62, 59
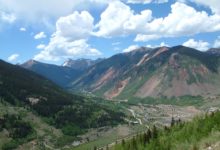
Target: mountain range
61, 75
143, 72
45, 92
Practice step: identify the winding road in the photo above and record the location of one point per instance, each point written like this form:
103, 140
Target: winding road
134, 115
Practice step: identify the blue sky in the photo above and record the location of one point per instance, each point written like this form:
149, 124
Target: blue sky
51, 32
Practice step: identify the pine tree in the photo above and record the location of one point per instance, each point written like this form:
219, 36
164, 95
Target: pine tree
145, 139
140, 138
154, 132
95, 148
149, 134
134, 143
179, 121
123, 143
172, 122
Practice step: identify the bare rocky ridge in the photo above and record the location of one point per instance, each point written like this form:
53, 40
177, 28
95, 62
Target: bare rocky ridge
162, 71
117, 89
108, 75
178, 84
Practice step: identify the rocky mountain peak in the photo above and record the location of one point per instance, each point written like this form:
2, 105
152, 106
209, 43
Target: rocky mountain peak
29, 63
79, 64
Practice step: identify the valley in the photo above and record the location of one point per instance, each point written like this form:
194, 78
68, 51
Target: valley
141, 117
109, 75
101, 104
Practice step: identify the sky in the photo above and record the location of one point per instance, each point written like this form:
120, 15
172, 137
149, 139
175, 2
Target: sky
53, 31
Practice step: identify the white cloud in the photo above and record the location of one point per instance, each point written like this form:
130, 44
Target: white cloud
182, 21
60, 48
13, 57
137, 21
143, 38
160, 45
7, 17
41, 46
130, 48
22, 29
70, 38
118, 19
217, 43
212, 4
161, 1
146, 1
199, 45
40, 35
75, 26
164, 44
112, 19
44, 12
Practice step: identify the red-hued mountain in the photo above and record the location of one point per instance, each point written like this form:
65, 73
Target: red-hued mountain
146, 72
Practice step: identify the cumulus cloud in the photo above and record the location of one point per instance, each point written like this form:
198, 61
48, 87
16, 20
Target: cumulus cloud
40, 35
7, 17
130, 48
160, 45
182, 21
146, 1
22, 29
118, 19
199, 45
217, 43
144, 38
75, 26
46, 11
13, 57
41, 46
70, 38
60, 48
212, 4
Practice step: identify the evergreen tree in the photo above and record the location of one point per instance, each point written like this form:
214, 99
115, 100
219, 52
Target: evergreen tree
154, 132
134, 143
95, 148
123, 143
172, 122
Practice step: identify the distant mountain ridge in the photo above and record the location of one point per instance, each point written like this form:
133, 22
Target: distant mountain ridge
215, 51
61, 75
143, 72
58, 74
162, 71
80, 64
109, 69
